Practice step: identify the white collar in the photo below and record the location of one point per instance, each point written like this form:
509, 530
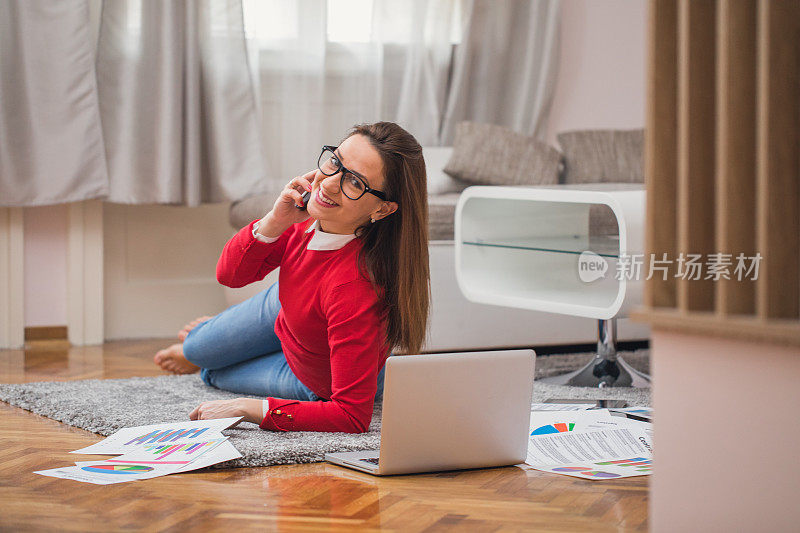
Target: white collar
326, 241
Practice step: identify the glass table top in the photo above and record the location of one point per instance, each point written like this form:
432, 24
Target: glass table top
603, 245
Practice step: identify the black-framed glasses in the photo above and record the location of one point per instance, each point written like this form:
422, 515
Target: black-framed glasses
352, 184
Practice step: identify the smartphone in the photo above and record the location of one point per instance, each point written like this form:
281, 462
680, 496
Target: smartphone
306, 195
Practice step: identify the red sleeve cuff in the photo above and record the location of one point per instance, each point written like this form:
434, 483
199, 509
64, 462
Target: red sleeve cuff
278, 418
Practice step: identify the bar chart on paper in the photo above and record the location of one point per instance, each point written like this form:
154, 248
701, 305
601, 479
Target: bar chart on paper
169, 435
180, 453
163, 451
640, 464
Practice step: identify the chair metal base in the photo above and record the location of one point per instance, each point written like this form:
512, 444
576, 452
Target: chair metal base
606, 369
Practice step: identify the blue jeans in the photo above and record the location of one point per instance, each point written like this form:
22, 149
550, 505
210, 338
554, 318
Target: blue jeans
239, 351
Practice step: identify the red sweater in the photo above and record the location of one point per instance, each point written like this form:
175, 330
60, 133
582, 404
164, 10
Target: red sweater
331, 326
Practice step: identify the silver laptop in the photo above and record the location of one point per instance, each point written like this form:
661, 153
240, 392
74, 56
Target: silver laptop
450, 412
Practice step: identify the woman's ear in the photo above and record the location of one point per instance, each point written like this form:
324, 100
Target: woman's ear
386, 209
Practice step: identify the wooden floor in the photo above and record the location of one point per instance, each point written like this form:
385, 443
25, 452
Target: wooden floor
309, 497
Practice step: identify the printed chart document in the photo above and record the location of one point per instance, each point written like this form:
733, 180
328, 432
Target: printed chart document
127, 439
598, 445
589, 444
151, 451
147, 461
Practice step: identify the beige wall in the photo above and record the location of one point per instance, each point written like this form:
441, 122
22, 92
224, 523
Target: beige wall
160, 267
601, 74
45, 265
727, 435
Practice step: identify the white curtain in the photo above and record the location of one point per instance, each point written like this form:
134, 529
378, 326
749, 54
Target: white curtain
51, 144
323, 65
505, 68
177, 102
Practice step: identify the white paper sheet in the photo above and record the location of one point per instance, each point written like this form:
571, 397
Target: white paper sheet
590, 445
127, 439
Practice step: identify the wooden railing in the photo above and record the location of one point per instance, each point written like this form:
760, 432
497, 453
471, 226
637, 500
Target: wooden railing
722, 164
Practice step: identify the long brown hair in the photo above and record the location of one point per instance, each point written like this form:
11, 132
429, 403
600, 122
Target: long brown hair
394, 253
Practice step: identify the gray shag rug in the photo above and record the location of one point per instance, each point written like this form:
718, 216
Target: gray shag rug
104, 406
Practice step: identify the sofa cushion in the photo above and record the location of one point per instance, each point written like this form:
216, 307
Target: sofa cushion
602, 156
487, 154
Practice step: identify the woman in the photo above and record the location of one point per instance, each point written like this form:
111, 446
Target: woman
353, 286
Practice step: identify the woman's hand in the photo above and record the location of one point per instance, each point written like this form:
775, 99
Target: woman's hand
249, 408
285, 212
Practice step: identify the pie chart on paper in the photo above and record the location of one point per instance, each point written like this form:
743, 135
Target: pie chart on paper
558, 427
117, 469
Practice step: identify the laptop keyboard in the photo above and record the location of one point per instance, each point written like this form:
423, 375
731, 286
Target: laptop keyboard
373, 460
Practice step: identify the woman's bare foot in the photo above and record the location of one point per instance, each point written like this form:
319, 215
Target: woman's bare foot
172, 360
191, 325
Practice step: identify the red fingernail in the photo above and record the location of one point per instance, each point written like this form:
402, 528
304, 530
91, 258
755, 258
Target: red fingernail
308, 187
